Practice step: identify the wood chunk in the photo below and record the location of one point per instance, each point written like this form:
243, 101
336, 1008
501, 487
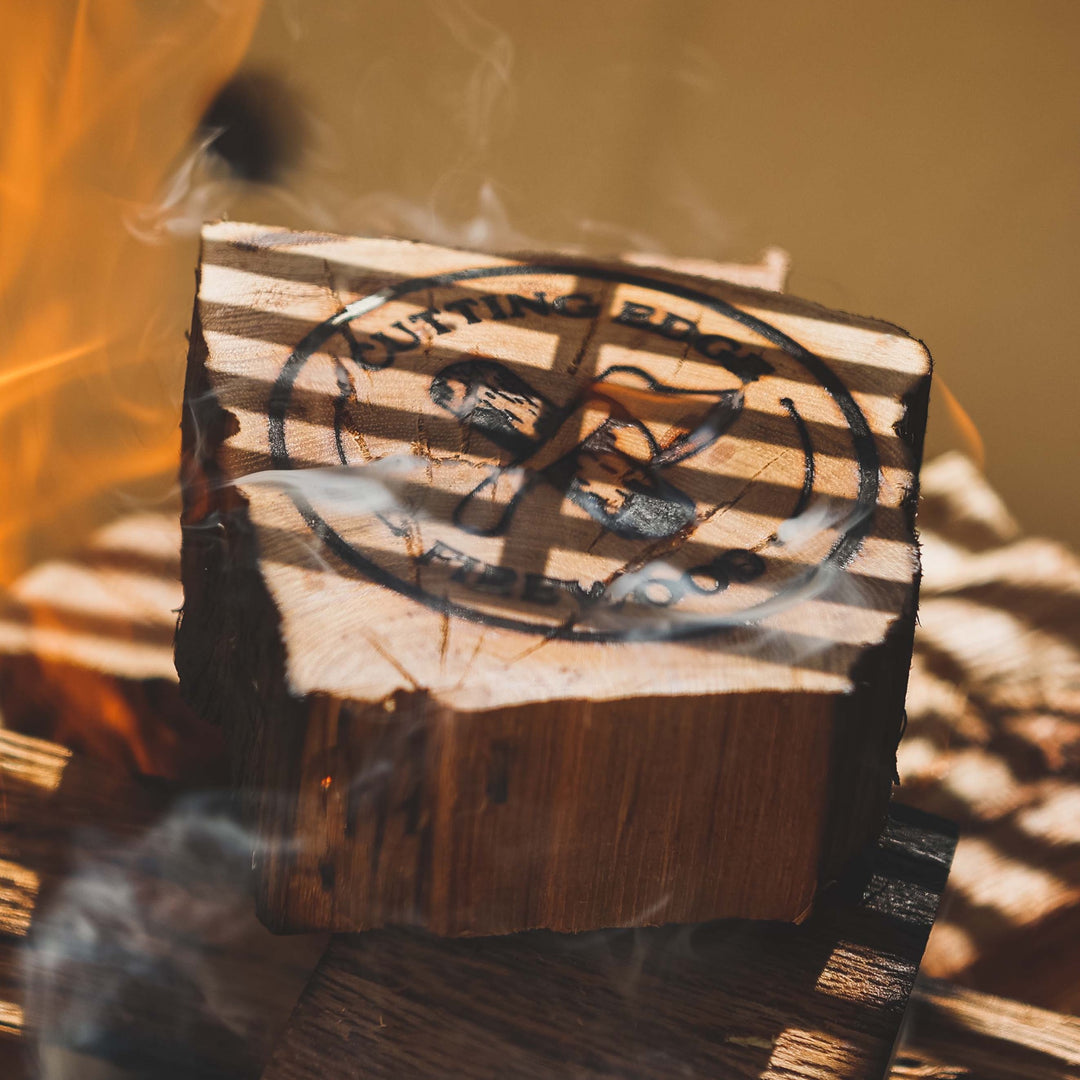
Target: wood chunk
543, 594
733, 999
86, 654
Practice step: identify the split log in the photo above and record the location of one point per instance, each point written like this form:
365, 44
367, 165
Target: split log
739, 1000
993, 740
543, 595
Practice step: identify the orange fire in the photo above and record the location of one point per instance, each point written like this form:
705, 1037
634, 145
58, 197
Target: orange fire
99, 102
965, 427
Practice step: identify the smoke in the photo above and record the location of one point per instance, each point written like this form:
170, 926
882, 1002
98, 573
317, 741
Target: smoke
827, 580
201, 188
489, 228
822, 514
374, 488
252, 137
149, 955
639, 603
488, 88
481, 102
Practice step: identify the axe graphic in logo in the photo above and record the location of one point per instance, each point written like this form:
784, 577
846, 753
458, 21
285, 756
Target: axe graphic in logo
597, 449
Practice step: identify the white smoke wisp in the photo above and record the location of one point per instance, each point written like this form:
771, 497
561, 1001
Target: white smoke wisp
374, 488
821, 515
825, 581
481, 100
149, 954
640, 604
385, 488
489, 87
204, 188
199, 190
488, 228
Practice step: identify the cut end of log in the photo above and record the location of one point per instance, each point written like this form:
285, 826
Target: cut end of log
543, 593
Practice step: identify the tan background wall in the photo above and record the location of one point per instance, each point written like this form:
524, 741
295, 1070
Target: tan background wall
919, 160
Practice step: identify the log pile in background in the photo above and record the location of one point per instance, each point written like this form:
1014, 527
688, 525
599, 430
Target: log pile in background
951, 1033
991, 743
993, 740
153, 1023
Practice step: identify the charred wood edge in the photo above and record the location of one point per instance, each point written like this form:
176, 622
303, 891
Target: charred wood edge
218, 657
861, 776
952, 1033
715, 997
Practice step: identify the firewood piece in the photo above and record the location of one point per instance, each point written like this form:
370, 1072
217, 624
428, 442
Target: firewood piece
956, 1034
560, 596
993, 740
734, 999
126, 930
86, 654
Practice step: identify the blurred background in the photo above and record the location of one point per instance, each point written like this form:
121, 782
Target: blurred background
918, 161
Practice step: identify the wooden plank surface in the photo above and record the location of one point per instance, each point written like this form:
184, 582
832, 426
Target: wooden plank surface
732, 999
531, 589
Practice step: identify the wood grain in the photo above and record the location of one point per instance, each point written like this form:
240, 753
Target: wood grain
732, 999
128, 946
993, 740
956, 1034
525, 592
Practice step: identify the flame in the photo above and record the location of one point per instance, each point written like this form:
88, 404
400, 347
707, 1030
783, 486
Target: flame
962, 422
99, 102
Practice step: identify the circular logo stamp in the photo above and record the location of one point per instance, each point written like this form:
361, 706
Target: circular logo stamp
584, 453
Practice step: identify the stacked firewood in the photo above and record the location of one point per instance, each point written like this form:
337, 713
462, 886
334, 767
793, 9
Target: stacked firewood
993, 740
